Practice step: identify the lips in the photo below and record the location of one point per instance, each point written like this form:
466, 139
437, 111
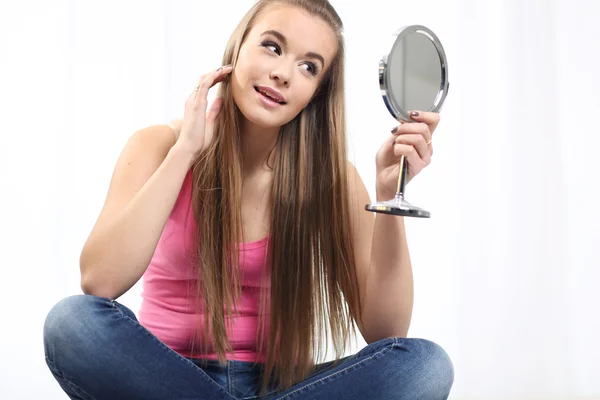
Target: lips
271, 94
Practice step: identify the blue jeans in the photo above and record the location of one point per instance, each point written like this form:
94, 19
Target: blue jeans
96, 349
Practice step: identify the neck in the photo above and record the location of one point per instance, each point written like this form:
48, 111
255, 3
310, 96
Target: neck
257, 145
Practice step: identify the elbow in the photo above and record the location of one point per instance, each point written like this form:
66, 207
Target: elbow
94, 284
93, 288
374, 330
370, 338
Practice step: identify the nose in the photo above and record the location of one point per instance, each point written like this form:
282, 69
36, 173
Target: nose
282, 74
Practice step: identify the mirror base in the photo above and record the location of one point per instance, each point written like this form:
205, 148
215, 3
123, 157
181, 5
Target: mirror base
399, 207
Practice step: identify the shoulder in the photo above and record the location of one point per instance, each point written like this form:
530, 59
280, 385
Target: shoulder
351, 169
356, 187
175, 126
161, 136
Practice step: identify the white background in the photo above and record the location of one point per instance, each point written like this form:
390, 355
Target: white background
506, 270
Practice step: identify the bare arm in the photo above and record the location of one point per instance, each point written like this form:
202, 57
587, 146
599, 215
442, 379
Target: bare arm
144, 187
143, 190
383, 267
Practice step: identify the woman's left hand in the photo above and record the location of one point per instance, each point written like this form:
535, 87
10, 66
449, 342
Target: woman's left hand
412, 140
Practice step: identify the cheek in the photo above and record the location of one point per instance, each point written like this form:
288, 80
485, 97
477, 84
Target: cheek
305, 96
235, 87
240, 70
239, 81
248, 64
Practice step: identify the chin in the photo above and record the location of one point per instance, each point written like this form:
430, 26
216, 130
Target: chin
259, 116
264, 123
262, 118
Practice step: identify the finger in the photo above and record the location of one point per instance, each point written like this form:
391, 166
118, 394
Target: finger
209, 80
412, 157
429, 118
217, 75
211, 117
214, 111
414, 128
418, 142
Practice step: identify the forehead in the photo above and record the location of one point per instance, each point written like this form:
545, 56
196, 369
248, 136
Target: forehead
304, 32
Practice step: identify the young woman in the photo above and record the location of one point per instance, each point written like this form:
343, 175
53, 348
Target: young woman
247, 223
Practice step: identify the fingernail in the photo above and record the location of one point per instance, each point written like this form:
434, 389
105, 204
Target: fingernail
395, 129
219, 69
414, 114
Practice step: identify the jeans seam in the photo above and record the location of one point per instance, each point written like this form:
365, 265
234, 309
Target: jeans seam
353, 366
230, 378
57, 371
167, 349
268, 393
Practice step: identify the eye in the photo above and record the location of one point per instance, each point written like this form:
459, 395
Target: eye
311, 68
275, 48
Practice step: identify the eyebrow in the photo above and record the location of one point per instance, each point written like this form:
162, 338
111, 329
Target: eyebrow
283, 40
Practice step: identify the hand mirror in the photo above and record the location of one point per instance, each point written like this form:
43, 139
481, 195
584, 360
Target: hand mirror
412, 77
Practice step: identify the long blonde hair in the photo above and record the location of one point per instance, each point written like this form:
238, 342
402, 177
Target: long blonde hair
314, 283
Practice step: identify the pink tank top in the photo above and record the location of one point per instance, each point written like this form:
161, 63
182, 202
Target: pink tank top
169, 288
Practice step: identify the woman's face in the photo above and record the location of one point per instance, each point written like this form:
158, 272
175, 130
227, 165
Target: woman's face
280, 65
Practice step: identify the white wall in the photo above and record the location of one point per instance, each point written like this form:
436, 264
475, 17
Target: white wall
507, 268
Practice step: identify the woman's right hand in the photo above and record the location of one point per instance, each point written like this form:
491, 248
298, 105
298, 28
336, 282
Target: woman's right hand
195, 132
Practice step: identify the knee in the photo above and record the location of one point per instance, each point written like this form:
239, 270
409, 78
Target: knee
70, 323
431, 368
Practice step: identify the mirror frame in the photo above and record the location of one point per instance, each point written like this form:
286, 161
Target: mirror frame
397, 112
